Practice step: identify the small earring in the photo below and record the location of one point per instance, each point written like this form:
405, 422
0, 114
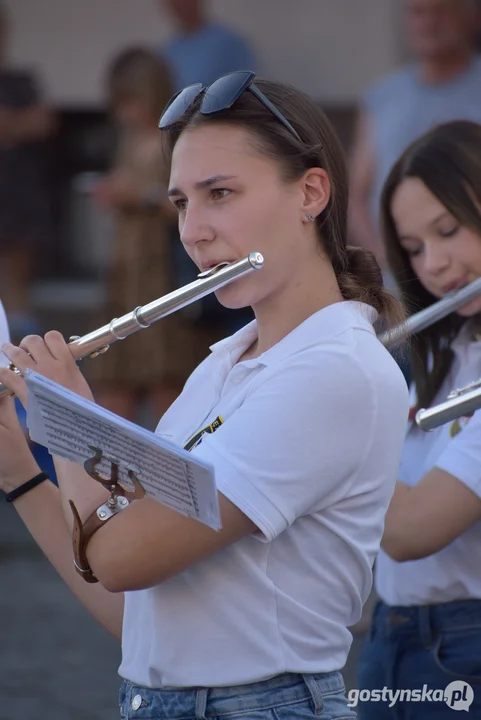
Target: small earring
310, 217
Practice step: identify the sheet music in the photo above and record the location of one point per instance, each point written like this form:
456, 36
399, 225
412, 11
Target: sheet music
70, 426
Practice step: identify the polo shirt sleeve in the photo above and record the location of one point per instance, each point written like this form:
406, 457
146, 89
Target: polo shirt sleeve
297, 442
462, 456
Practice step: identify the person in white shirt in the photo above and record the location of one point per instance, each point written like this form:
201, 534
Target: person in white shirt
426, 629
301, 413
4, 333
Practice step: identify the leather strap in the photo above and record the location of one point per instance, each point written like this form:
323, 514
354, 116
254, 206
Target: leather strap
80, 538
118, 501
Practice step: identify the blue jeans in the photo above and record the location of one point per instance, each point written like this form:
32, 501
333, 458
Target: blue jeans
285, 697
423, 648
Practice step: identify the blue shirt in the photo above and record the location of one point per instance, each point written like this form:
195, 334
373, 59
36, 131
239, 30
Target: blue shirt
207, 54
402, 108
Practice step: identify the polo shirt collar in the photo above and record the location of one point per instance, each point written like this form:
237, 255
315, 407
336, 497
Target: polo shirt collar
321, 325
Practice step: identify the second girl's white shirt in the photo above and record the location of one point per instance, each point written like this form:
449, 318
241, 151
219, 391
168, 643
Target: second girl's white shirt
453, 573
4, 333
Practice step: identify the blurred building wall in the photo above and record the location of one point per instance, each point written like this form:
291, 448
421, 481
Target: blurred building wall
331, 48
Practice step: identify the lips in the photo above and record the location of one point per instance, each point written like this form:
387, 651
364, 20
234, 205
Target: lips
454, 286
213, 263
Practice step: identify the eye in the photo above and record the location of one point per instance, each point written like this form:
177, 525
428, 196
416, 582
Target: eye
180, 204
412, 252
219, 193
449, 232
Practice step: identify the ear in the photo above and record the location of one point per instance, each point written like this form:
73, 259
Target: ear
316, 191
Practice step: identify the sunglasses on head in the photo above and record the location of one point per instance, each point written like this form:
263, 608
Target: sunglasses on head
221, 95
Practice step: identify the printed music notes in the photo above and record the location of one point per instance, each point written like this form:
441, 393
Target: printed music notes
68, 425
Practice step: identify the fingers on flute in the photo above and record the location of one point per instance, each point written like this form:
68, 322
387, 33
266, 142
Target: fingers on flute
15, 383
19, 356
57, 346
34, 346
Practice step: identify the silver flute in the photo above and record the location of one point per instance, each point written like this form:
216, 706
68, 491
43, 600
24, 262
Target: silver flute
438, 310
99, 341
459, 403
462, 401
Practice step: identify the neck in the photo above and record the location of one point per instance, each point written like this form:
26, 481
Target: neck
300, 298
445, 68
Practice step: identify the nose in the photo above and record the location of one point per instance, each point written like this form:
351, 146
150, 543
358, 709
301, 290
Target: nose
194, 228
436, 258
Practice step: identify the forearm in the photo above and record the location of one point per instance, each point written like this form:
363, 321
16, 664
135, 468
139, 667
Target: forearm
42, 513
76, 485
400, 536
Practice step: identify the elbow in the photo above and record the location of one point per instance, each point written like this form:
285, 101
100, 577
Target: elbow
120, 575
109, 567
111, 582
396, 552
114, 577
400, 549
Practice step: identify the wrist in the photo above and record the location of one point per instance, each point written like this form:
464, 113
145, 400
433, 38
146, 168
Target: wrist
21, 476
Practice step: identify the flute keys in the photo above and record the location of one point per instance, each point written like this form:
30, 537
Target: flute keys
100, 351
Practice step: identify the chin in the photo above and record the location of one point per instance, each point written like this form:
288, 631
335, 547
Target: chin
232, 300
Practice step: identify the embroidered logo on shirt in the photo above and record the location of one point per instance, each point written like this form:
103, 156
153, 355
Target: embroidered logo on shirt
196, 439
458, 425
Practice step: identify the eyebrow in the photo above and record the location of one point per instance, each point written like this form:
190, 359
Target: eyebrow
202, 184
439, 217
431, 222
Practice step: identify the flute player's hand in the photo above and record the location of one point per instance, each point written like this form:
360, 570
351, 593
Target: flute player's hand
49, 356
17, 464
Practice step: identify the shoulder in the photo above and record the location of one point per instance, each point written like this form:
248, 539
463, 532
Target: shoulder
337, 353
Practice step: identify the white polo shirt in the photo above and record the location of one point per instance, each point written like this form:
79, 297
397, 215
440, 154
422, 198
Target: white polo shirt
4, 334
454, 572
306, 440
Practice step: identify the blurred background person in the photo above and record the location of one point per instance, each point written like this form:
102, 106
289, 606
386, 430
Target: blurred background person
25, 220
202, 49
156, 362
442, 83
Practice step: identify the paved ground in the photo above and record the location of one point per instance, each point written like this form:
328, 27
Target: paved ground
56, 663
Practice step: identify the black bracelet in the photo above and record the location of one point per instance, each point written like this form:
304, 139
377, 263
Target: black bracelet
11, 496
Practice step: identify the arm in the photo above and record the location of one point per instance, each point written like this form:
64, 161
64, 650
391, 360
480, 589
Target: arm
424, 519
118, 191
41, 511
361, 227
117, 553
148, 543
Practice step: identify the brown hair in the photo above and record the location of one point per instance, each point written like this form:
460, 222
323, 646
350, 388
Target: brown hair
136, 73
357, 271
448, 161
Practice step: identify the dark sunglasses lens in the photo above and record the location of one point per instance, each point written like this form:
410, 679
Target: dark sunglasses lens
179, 104
225, 91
